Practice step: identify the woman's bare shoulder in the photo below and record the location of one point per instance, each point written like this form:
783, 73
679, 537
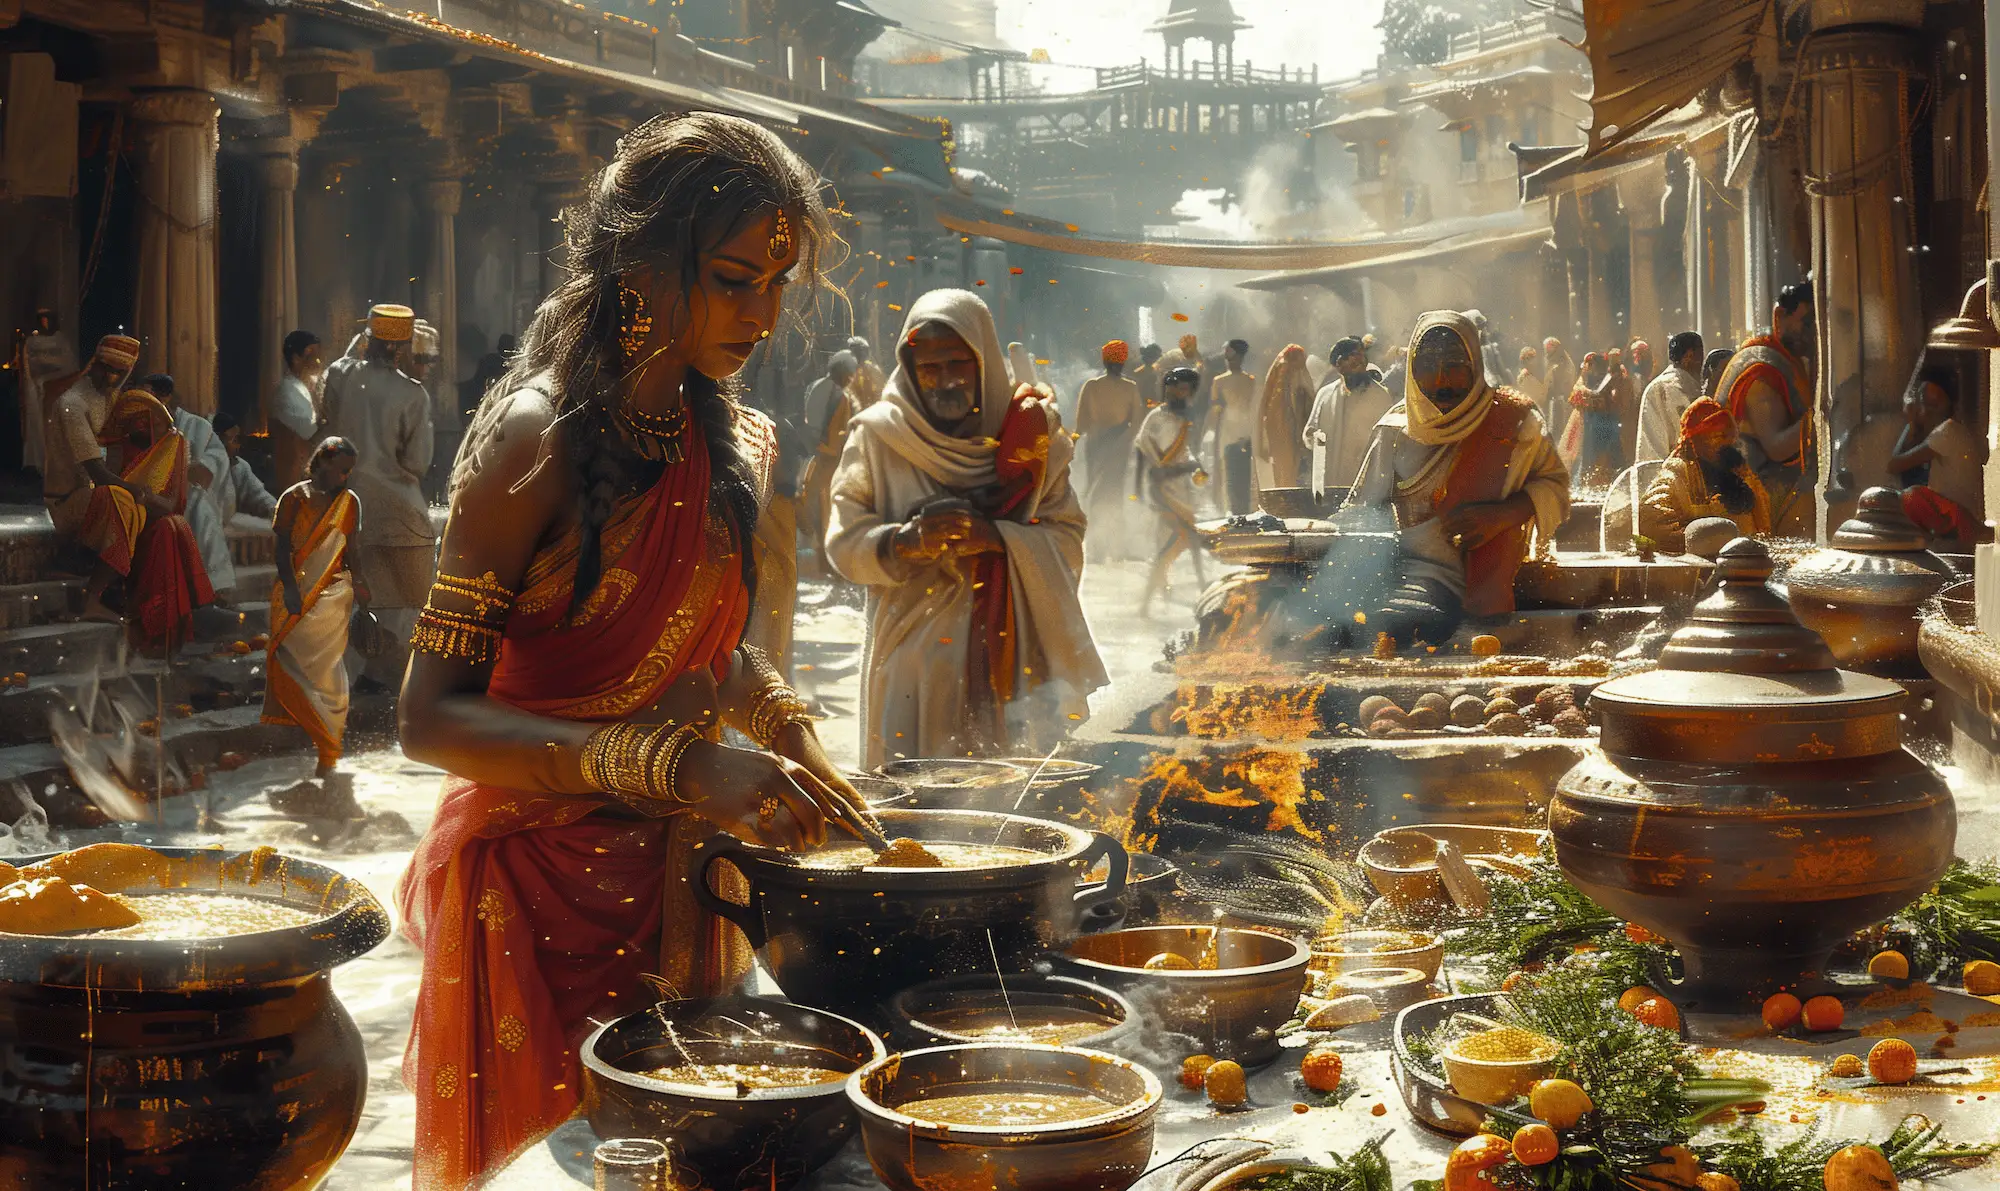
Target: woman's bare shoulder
513, 448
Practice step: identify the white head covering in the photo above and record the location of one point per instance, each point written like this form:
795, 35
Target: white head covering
1021, 364
1424, 422
899, 419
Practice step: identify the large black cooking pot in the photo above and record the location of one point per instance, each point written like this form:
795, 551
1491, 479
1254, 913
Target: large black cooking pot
848, 939
759, 1139
212, 1064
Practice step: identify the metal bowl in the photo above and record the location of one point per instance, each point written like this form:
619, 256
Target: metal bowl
878, 791
1232, 1011
1294, 503
1357, 950
938, 1012
958, 775
725, 1140
847, 938
1105, 1153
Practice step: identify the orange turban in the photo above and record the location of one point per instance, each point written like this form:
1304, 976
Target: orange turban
119, 351
1702, 415
1116, 352
1188, 345
1293, 354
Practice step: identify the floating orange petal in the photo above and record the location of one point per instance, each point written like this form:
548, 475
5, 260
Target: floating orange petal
1179, 317
1017, 272
1072, 227
981, 281
895, 307
881, 285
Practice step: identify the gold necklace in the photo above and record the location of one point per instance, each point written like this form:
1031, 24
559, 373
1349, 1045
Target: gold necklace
664, 431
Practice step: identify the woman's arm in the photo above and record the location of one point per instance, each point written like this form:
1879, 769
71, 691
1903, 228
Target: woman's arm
281, 528
444, 716
502, 510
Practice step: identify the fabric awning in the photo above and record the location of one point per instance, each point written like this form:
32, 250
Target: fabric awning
1648, 57
971, 219
1492, 242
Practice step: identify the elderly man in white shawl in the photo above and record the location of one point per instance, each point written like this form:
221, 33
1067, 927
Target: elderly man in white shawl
1465, 467
952, 505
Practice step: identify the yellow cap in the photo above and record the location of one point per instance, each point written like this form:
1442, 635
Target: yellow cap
390, 323
119, 351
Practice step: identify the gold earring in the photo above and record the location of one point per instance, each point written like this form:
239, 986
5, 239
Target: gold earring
635, 320
781, 236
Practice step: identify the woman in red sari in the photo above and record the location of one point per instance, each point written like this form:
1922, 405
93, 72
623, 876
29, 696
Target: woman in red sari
582, 645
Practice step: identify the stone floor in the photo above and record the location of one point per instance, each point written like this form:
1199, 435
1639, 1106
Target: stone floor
398, 795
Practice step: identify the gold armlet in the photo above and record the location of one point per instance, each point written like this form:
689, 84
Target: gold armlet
471, 637
456, 636
638, 764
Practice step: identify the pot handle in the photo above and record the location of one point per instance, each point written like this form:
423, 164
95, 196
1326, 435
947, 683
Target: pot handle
1091, 897
723, 846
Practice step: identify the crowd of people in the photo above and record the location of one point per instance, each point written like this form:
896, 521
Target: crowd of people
614, 577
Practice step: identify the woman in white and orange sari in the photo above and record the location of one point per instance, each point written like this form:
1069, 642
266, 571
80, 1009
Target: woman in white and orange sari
311, 603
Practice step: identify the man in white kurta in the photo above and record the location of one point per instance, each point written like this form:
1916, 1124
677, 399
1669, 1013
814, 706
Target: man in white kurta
1461, 469
45, 355
1344, 414
915, 477
1170, 475
208, 464
1667, 397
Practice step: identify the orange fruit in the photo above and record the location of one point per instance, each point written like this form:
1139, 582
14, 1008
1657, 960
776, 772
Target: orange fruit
1893, 1061
1658, 1011
1630, 998
1227, 1085
1535, 1145
1559, 1102
1512, 979
1715, 1180
1846, 1066
1982, 978
1466, 1169
1780, 1010
1194, 1071
1859, 1168
1678, 1167
1889, 965
1823, 1013
1321, 1069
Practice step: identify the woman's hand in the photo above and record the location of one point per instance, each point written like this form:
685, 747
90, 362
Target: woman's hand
756, 795
800, 742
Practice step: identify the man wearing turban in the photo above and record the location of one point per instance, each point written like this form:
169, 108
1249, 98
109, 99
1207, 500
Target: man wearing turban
1465, 468
952, 504
1170, 476
1109, 409
1706, 476
386, 415
86, 498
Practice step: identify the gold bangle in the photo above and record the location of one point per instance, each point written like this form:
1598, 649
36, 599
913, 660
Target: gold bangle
772, 708
454, 635
669, 780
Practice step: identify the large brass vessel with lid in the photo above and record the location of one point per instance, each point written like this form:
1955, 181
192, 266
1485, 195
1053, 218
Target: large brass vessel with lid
1861, 593
1751, 801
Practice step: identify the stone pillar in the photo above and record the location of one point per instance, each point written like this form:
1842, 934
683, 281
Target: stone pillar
439, 197
277, 243
551, 197
1641, 195
175, 176
1857, 167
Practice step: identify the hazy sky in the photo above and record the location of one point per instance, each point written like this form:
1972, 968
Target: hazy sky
1339, 35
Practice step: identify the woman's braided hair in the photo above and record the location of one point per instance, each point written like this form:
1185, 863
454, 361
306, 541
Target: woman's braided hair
677, 187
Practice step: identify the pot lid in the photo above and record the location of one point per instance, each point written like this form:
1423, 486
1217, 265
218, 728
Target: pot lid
1746, 649
1880, 526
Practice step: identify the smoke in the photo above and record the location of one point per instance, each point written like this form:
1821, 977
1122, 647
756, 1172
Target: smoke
28, 834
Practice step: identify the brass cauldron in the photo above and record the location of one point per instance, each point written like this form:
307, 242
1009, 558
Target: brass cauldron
1862, 592
1750, 801
846, 939
225, 1064
1231, 1010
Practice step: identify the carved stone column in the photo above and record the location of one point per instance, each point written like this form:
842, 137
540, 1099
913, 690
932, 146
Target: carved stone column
1641, 195
175, 177
1857, 172
277, 242
439, 198
552, 197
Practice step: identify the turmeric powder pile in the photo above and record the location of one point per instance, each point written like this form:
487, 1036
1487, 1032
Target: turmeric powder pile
73, 891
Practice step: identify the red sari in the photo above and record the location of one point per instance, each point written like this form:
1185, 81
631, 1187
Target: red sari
539, 913
165, 580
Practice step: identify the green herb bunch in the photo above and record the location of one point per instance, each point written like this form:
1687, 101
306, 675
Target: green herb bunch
1958, 920
1542, 918
1913, 1151
1364, 1170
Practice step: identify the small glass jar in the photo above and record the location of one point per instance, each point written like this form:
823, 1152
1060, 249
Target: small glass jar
633, 1164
